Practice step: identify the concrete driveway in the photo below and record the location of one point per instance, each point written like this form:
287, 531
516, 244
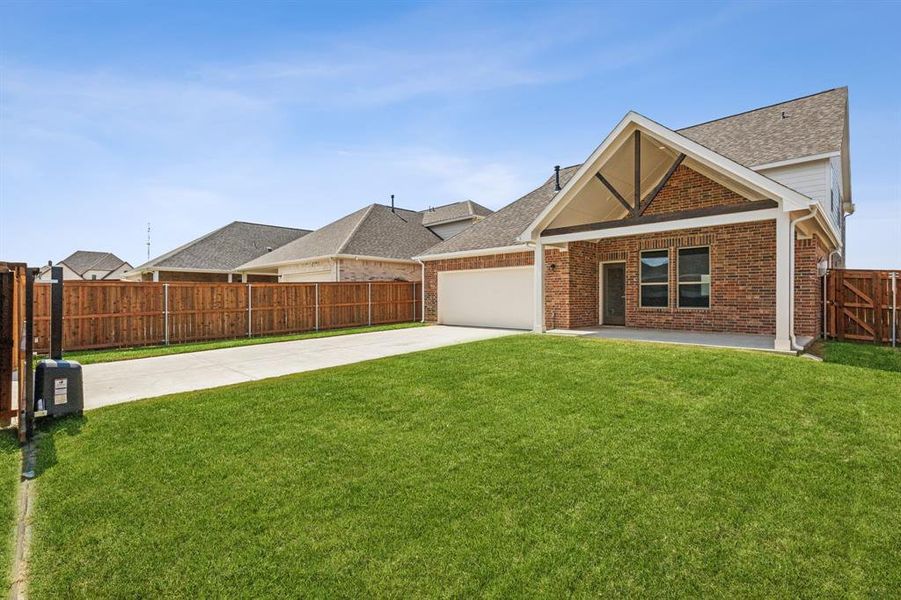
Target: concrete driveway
124, 381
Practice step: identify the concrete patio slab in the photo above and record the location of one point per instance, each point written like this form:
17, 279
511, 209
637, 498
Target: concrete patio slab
737, 341
124, 381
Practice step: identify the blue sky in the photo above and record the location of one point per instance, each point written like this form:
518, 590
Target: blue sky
191, 115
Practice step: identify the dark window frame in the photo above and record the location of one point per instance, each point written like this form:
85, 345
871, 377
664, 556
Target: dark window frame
665, 284
680, 283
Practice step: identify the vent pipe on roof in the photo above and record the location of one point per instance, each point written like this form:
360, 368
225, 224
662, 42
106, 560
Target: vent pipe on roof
557, 178
392, 202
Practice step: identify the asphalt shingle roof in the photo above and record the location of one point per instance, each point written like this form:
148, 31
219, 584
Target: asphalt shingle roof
82, 261
802, 127
453, 212
812, 125
371, 231
503, 227
227, 247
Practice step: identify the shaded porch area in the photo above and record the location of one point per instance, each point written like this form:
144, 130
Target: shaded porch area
737, 341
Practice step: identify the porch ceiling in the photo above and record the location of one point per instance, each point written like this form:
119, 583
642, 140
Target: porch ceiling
594, 202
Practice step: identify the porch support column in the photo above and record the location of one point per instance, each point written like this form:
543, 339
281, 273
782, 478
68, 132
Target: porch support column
783, 282
538, 288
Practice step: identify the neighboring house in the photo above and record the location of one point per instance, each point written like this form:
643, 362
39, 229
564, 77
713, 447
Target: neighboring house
724, 226
216, 255
374, 243
87, 265
450, 219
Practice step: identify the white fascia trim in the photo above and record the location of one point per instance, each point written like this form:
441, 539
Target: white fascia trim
139, 271
789, 198
478, 252
828, 226
795, 161
528, 235
377, 258
664, 226
453, 220
296, 261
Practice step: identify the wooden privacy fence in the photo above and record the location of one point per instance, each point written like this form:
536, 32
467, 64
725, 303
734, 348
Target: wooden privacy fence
864, 305
12, 307
120, 314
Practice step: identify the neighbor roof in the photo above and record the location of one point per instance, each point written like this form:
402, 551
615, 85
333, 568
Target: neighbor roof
797, 128
503, 227
226, 248
82, 261
455, 211
813, 125
375, 230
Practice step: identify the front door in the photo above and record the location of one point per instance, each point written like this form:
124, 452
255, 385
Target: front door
614, 294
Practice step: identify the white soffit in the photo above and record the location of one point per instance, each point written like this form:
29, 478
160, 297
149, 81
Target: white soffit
701, 158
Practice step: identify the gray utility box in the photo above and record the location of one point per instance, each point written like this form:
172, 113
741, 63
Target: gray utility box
57, 388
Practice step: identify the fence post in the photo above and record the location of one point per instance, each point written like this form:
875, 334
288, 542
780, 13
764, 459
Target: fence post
878, 329
317, 307
369, 302
414, 301
249, 311
839, 306
894, 277
166, 313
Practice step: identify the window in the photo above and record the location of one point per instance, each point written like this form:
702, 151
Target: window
655, 278
694, 277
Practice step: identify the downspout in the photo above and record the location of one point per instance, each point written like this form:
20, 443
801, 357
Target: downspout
791, 257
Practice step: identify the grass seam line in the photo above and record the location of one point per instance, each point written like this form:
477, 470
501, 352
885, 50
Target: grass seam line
25, 500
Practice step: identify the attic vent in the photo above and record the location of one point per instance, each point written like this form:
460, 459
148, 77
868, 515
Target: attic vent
784, 115
268, 248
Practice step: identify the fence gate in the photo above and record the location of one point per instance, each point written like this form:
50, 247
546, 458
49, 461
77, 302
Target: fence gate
864, 305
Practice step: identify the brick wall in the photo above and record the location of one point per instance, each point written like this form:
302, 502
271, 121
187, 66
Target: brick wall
689, 190
743, 282
188, 276
185, 276
571, 286
376, 270
808, 287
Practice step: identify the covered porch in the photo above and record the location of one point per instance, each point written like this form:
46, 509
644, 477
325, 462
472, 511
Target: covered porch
676, 243
735, 341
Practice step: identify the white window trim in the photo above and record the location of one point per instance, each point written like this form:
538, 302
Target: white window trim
679, 283
641, 284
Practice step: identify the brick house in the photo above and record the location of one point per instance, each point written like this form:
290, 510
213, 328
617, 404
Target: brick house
88, 265
216, 256
375, 243
726, 226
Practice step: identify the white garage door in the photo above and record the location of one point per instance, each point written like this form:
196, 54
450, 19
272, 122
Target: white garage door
487, 297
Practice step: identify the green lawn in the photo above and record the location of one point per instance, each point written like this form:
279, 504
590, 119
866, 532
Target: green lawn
863, 355
10, 471
522, 466
87, 357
